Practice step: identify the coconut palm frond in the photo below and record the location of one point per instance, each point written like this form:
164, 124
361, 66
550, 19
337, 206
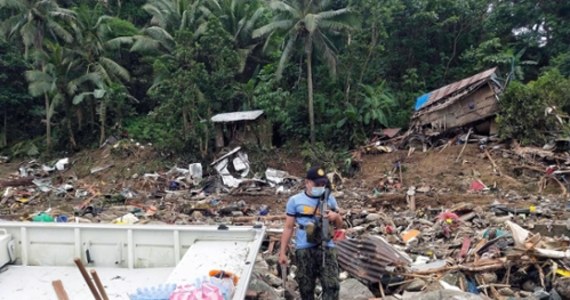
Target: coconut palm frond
281, 6
114, 68
285, 55
273, 26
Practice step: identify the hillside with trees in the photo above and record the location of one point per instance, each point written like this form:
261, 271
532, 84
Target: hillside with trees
74, 72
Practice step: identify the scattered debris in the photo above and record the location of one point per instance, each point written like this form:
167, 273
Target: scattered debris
232, 167
99, 169
494, 225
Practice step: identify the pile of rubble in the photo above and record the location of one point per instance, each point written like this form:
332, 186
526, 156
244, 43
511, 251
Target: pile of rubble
466, 248
499, 251
513, 248
53, 193
396, 244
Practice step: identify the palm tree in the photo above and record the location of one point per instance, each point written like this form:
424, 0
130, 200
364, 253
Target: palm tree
97, 39
31, 21
307, 24
169, 17
175, 15
239, 18
51, 80
85, 69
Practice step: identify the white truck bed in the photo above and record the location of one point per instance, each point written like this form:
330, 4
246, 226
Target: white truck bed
32, 282
126, 257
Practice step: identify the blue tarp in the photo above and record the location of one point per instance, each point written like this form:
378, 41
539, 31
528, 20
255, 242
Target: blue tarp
421, 100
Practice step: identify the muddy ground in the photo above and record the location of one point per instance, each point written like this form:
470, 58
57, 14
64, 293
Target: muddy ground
447, 179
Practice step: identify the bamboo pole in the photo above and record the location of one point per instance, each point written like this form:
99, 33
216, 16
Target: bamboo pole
99, 284
88, 280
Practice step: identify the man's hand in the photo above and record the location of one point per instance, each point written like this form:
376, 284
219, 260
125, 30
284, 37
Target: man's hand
332, 216
282, 258
285, 238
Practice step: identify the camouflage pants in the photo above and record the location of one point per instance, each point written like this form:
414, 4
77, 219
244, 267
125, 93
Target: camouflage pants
310, 267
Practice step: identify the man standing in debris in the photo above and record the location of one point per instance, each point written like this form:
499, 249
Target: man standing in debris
303, 210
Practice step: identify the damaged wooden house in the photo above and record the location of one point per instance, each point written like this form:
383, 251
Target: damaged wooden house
242, 127
472, 101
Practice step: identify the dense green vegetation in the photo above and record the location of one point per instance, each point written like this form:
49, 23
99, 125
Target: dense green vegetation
73, 72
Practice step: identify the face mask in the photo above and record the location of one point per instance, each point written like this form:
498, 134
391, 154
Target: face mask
318, 191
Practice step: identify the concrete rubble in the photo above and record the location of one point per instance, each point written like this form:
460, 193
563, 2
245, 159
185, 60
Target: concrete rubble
513, 247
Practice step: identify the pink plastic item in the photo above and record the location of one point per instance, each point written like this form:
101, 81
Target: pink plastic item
448, 217
206, 291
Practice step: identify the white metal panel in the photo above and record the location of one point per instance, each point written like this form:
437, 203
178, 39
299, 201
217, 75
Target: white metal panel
4, 248
237, 116
153, 249
141, 248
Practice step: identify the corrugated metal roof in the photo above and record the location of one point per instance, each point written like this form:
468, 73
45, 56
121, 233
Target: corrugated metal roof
449, 89
237, 116
370, 257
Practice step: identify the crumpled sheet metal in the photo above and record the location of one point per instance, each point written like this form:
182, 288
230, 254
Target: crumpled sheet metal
370, 257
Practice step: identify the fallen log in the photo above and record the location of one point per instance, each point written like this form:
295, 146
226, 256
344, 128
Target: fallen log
474, 267
533, 168
16, 182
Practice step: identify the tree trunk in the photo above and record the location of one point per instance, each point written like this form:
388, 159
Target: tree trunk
5, 137
371, 48
204, 143
92, 112
185, 122
70, 132
455, 40
102, 120
310, 90
48, 124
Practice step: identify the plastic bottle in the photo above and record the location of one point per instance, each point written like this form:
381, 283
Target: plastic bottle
42, 217
160, 292
61, 219
263, 210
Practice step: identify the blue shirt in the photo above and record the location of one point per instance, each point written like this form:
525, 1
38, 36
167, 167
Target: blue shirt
303, 204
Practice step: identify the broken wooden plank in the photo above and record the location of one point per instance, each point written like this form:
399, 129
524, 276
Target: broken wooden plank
464, 145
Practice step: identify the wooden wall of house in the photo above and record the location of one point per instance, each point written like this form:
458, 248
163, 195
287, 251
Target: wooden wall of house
265, 133
474, 107
237, 133
219, 135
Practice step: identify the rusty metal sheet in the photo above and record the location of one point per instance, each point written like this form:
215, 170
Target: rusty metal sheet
391, 132
369, 257
451, 88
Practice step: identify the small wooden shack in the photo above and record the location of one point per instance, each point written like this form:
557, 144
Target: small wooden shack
473, 100
243, 127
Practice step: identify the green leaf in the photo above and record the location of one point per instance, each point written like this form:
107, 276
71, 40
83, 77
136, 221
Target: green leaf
99, 93
311, 22
80, 97
33, 150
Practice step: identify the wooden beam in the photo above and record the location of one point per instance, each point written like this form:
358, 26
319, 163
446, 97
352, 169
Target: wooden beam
59, 290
